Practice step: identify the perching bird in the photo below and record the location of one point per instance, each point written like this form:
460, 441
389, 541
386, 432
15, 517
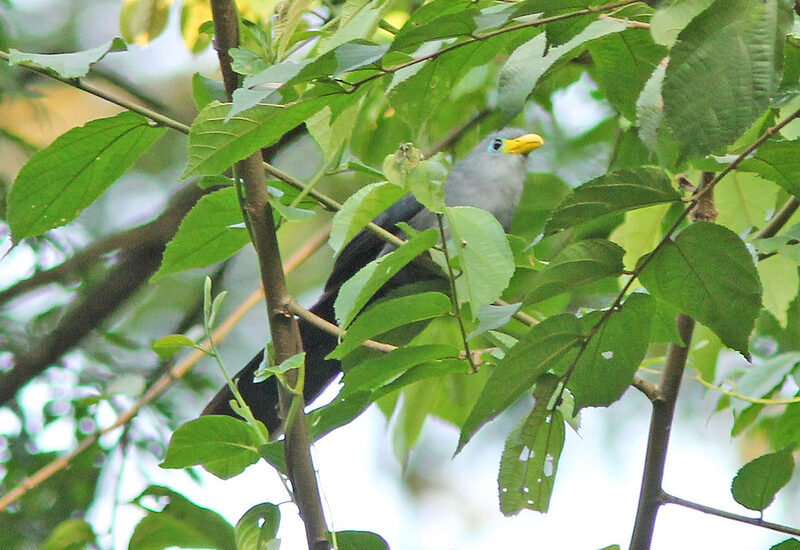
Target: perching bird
491, 177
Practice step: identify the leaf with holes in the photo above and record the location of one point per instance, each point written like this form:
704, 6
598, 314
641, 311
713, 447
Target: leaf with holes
530, 458
550, 345
606, 368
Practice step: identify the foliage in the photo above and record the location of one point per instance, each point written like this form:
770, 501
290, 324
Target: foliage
607, 250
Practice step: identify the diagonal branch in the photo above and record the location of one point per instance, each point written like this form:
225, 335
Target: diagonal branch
758, 522
95, 304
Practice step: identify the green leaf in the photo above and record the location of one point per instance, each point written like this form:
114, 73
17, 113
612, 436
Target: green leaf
756, 483
380, 370
788, 544
550, 345
707, 273
359, 19
485, 257
214, 144
744, 201
575, 265
223, 445
246, 62
360, 540
640, 232
786, 432
737, 45
385, 316
71, 173
529, 62
290, 213
623, 64
669, 20
765, 377
426, 182
357, 291
438, 77
777, 161
205, 235
68, 65
447, 23
613, 193
780, 281
290, 363
258, 527
359, 209
530, 458
606, 368
169, 345
650, 110
181, 523
491, 317
140, 21
70, 534
541, 195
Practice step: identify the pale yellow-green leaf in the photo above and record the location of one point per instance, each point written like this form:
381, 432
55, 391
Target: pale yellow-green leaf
780, 282
744, 200
639, 233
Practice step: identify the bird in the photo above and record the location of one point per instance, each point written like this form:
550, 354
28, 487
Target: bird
490, 177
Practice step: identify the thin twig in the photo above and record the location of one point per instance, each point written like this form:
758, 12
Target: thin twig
649, 390
79, 83
330, 328
454, 294
758, 522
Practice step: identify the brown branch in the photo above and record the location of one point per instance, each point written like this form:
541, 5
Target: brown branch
163, 383
330, 328
649, 390
137, 237
780, 219
81, 84
96, 303
758, 522
652, 496
490, 34
283, 326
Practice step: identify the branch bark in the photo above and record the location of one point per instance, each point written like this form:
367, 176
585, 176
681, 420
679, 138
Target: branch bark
652, 495
96, 303
283, 326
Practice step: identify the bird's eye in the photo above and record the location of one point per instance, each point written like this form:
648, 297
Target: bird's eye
496, 144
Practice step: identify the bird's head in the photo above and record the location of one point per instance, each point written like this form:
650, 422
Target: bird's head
512, 141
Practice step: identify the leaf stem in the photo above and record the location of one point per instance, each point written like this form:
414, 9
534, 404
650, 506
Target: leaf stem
454, 296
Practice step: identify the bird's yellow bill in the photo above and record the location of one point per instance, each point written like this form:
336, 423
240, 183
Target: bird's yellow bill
523, 144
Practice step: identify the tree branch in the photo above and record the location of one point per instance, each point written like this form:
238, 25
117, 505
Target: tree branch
669, 499
780, 219
162, 384
651, 495
283, 326
95, 304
